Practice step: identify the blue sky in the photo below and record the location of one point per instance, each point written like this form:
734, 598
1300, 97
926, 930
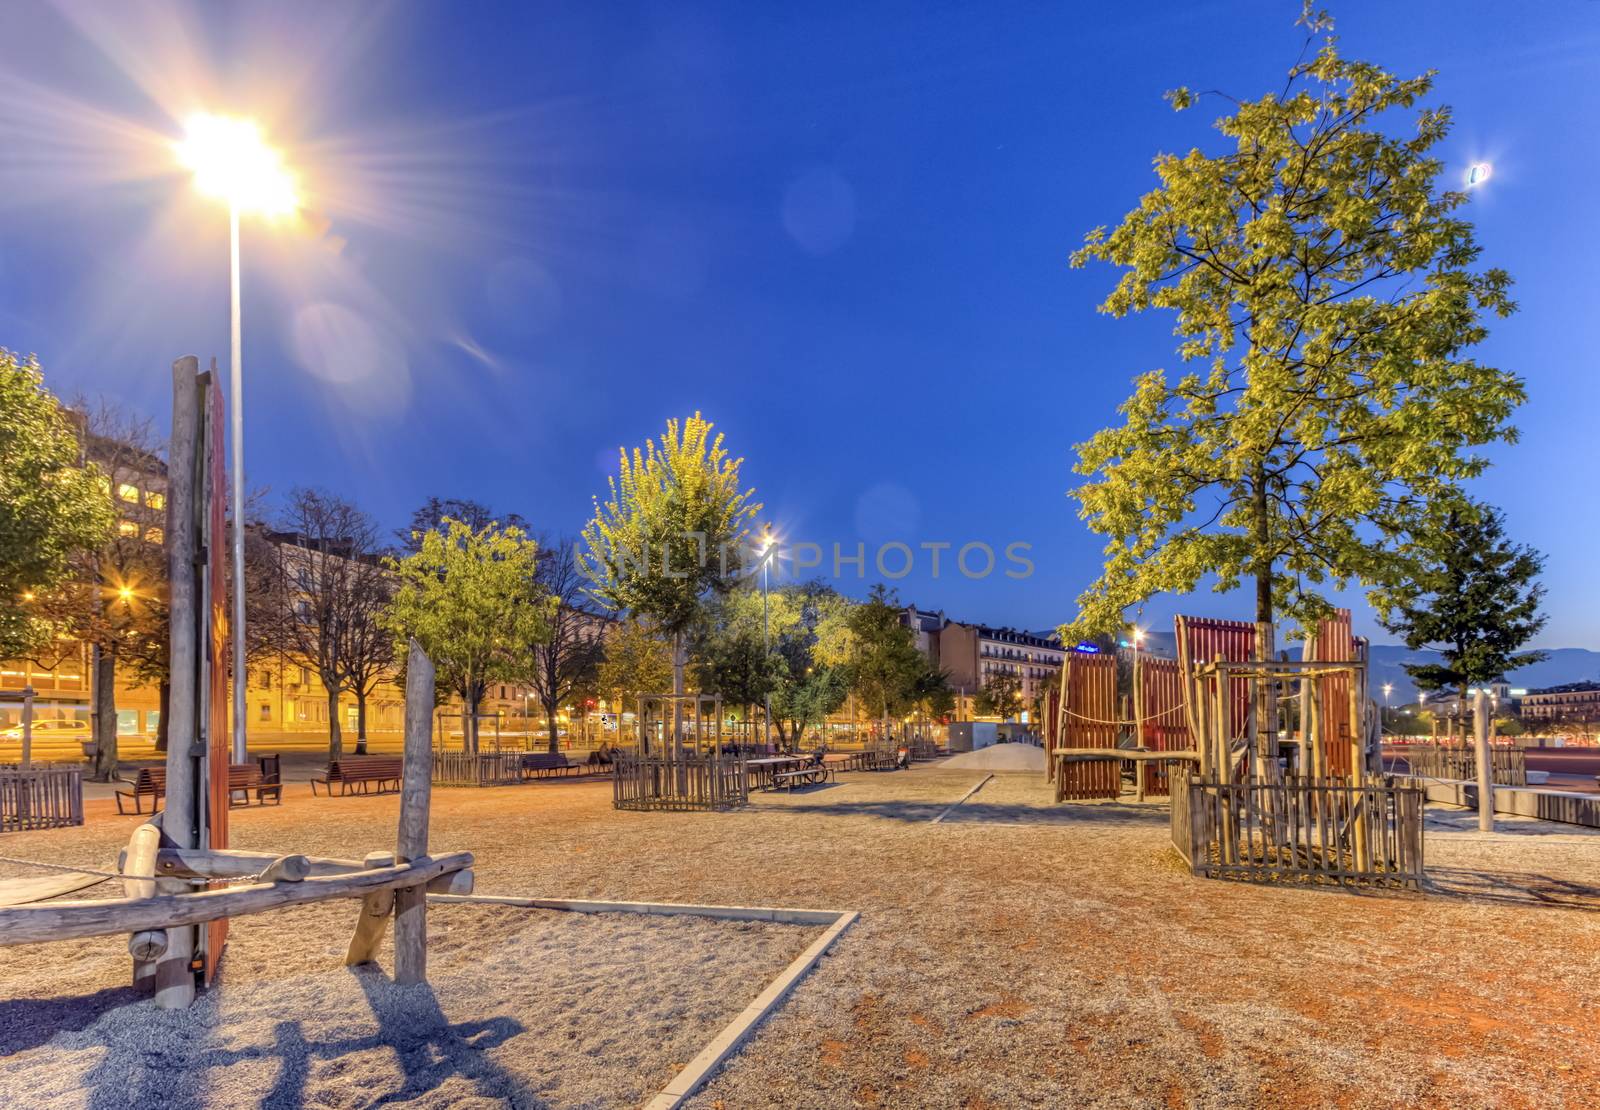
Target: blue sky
840, 231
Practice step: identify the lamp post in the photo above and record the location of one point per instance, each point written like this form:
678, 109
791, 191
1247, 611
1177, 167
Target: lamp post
766, 631
232, 163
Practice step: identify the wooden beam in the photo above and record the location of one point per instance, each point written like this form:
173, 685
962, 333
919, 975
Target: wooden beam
411, 839
138, 866
373, 924
1084, 755
174, 979
71, 920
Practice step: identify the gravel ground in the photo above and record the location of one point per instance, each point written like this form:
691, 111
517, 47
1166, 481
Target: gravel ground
1015, 954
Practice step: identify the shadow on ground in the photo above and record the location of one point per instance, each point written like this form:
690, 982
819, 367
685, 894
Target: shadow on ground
175, 1059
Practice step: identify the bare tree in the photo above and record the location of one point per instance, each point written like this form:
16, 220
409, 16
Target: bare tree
367, 654
566, 663
325, 584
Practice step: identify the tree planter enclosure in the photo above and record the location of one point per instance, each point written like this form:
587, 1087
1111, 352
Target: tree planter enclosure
1299, 830
681, 762
40, 797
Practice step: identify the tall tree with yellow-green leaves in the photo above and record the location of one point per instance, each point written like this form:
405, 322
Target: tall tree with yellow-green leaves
1328, 299
671, 534
472, 598
53, 504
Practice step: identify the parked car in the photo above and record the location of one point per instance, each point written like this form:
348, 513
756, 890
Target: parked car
53, 728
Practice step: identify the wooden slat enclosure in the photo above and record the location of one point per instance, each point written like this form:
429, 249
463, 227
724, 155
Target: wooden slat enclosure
477, 769
214, 599
1508, 766
1088, 719
1299, 831
689, 782
40, 798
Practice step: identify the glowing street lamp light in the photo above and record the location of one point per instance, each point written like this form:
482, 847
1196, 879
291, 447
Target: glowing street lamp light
1478, 173
232, 163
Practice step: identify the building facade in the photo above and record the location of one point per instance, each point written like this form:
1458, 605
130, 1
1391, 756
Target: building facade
1575, 701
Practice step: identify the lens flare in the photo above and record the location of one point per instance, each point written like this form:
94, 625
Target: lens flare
231, 162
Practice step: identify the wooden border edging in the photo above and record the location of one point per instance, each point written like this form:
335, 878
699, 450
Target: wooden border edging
737, 1031
951, 807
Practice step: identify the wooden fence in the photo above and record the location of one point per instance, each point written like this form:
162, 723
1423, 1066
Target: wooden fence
1300, 830
1507, 766
40, 798
479, 769
687, 783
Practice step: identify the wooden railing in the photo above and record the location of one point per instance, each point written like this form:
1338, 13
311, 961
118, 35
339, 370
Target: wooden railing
1507, 766
1299, 830
481, 769
40, 798
690, 782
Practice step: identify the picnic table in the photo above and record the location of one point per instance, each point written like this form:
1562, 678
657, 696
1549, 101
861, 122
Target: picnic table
763, 770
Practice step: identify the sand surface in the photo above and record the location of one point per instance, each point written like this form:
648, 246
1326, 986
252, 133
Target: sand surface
998, 757
1015, 954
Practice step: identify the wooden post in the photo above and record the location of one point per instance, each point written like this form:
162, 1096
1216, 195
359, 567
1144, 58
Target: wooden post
138, 869
1480, 729
174, 981
27, 731
1358, 774
1138, 719
411, 843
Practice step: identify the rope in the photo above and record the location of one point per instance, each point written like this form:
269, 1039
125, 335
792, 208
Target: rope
1141, 721
62, 867
41, 865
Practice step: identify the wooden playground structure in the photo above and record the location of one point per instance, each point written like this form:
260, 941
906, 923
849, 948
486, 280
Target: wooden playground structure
669, 771
177, 872
1272, 765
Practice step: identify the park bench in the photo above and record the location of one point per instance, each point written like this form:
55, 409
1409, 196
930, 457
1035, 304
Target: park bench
359, 774
150, 782
245, 777
544, 764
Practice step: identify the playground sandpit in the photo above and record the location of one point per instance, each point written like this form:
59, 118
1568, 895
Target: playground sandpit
523, 1007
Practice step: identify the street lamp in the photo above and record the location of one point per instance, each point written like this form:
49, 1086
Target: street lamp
766, 626
232, 163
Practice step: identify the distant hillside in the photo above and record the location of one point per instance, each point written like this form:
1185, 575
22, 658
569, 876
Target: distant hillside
1564, 665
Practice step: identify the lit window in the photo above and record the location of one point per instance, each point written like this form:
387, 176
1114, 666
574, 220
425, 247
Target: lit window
154, 535
154, 500
266, 711
128, 492
127, 528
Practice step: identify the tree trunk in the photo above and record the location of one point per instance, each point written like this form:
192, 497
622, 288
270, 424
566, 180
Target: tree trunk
361, 721
164, 704
679, 655
550, 722
105, 715
1461, 711
1266, 702
335, 734
466, 725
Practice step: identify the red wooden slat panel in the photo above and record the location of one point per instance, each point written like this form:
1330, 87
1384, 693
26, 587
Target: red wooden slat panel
1163, 728
1334, 642
1089, 720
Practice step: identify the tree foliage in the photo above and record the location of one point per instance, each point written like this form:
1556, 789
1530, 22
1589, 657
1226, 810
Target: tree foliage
1477, 602
1327, 300
670, 532
637, 662
1000, 696
52, 504
432, 514
887, 672
472, 599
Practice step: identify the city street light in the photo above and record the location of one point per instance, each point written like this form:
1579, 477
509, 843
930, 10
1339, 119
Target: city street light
766, 625
1478, 173
232, 163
